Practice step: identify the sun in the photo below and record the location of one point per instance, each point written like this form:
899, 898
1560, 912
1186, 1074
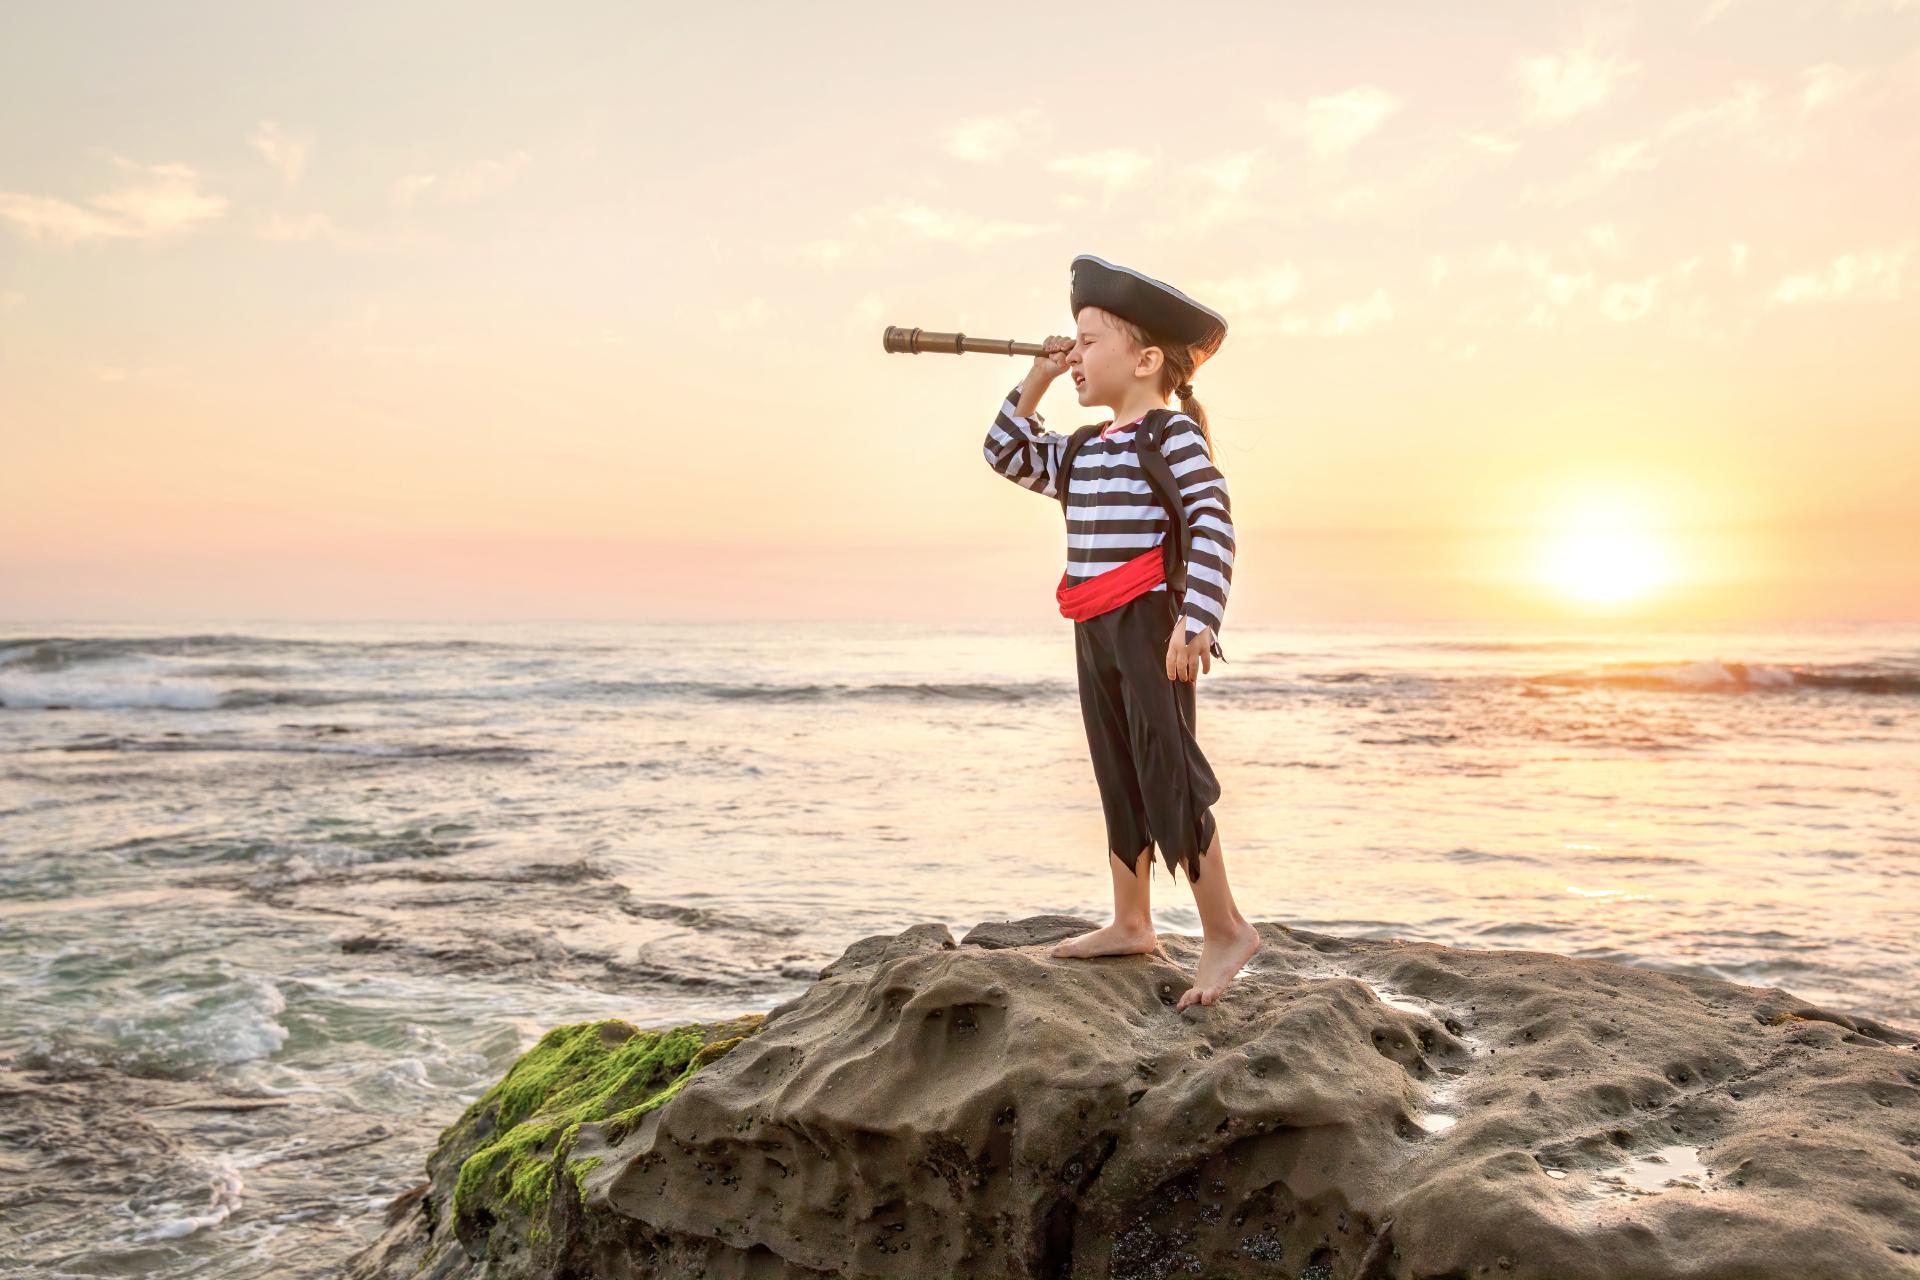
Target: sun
1604, 553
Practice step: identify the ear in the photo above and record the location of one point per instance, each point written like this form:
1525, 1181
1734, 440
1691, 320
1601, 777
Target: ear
1150, 361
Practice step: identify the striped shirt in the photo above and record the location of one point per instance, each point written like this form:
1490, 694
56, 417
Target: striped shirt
1112, 515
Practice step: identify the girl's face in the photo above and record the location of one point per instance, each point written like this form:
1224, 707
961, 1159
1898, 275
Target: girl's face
1104, 365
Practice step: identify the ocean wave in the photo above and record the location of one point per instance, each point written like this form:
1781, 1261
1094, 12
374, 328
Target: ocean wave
149, 683
886, 691
1499, 646
1716, 676
224, 1192
52, 691
350, 847
649, 690
172, 1029
216, 742
187, 694
60, 653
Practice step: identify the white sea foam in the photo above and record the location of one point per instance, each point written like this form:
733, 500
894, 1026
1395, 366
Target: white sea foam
181, 1029
225, 1188
102, 689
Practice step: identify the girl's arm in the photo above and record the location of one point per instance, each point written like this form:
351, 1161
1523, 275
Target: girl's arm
1203, 494
1019, 447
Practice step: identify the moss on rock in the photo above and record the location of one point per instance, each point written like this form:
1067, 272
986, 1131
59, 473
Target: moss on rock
519, 1133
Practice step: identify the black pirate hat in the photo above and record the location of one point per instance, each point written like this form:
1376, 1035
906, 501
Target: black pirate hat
1154, 305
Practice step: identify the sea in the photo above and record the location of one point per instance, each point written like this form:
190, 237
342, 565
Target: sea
278, 901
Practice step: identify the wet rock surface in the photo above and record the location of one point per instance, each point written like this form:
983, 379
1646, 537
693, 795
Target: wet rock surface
1351, 1108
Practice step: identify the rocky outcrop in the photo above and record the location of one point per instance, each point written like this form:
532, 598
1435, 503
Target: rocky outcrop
1350, 1108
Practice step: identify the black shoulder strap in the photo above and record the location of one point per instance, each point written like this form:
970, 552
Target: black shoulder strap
1167, 489
1079, 437
1160, 477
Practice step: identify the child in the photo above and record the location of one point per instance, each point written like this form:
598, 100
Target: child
1138, 651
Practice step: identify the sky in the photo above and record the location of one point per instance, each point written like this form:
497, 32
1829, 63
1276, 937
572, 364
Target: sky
1538, 314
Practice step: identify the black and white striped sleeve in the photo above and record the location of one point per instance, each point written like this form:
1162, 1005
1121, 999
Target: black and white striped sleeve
1203, 494
1022, 450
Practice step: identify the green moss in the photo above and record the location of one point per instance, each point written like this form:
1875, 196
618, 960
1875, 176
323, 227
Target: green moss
580, 1169
605, 1071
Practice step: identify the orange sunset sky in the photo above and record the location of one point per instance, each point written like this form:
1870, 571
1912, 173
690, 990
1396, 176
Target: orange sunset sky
1539, 313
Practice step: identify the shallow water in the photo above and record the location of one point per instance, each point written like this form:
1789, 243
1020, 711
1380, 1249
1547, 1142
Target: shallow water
277, 901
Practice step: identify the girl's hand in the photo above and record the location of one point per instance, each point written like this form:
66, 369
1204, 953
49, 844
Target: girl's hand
1186, 659
1054, 362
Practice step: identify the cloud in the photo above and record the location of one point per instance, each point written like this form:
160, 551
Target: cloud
163, 200
988, 139
1358, 317
486, 177
1552, 289
1620, 158
1737, 115
754, 313
1115, 168
1459, 351
1623, 302
145, 373
1823, 83
1261, 291
1228, 172
287, 154
1336, 123
1214, 196
1558, 287
1558, 86
312, 226
1356, 201
407, 189
946, 226
309, 227
1491, 143
1872, 273
477, 181
824, 253
1846, 8
428, 352
1608, 164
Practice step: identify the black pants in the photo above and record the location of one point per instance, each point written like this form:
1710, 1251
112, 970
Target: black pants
1155, 784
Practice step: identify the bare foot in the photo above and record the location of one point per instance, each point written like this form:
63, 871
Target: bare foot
1220, 962
1115, 939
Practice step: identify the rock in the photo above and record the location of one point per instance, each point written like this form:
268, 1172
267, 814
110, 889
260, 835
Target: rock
498, 1199
1350, 1108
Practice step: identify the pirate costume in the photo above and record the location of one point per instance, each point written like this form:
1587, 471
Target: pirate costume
1149, 530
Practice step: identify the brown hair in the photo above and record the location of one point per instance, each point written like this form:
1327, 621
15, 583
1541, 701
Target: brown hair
1176, 367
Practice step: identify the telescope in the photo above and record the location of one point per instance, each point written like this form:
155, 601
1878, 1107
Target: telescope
914, 341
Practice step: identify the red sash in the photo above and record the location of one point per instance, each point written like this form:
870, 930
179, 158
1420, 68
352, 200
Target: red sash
1110, 590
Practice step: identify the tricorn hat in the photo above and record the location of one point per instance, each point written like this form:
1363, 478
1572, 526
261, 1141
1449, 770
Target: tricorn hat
1154, 305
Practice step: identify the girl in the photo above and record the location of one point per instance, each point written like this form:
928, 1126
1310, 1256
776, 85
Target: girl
1138, 651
